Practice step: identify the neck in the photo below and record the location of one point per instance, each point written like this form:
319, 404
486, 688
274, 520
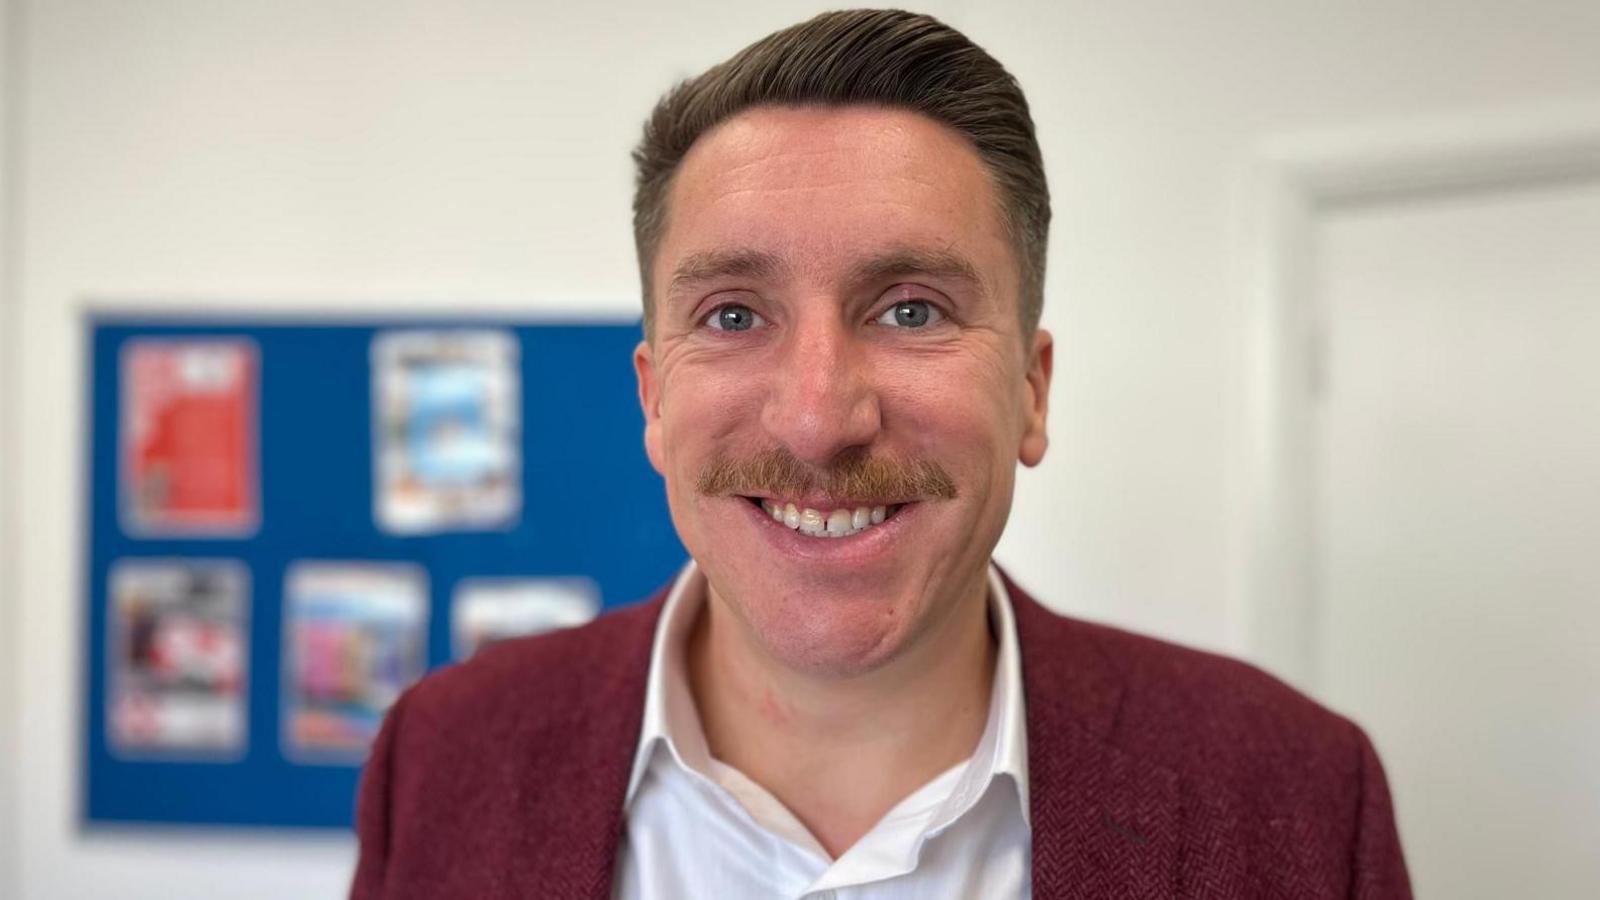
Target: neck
840, 752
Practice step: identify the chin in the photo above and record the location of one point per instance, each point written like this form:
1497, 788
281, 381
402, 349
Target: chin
822, 632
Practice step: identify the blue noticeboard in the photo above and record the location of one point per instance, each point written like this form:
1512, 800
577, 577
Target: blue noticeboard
590, 507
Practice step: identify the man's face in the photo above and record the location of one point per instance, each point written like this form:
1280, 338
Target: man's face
837, 329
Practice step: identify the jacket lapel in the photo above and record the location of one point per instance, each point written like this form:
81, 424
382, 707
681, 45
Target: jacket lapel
586, 776
1105, 824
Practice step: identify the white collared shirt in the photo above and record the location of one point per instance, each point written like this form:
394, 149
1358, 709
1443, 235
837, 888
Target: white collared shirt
698, 828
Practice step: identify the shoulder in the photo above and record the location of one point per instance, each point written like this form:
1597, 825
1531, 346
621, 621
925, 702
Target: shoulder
509, 768
525, 683
1262, 785
1218, 718
1209, 718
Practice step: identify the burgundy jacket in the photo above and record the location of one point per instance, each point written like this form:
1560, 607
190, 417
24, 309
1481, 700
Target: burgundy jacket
1155, 771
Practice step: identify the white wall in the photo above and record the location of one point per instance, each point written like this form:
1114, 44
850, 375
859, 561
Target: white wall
386, 155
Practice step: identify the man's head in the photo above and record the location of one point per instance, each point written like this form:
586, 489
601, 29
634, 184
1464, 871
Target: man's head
842, 233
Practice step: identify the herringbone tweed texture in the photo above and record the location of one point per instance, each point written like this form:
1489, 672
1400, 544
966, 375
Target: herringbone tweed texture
1155, 772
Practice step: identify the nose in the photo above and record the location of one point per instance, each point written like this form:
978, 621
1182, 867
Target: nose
822, 401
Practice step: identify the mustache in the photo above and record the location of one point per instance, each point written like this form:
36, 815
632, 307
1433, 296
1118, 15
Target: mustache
855, 476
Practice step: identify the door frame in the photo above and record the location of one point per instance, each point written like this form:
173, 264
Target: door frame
1289, 183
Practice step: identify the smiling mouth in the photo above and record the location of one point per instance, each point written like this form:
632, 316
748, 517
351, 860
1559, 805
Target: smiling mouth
826, 523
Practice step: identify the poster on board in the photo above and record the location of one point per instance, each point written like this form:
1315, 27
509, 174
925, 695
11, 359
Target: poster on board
446, 430
179, 633
485, 611
355, 636
188, 437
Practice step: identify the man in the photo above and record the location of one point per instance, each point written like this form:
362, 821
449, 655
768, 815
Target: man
841, 233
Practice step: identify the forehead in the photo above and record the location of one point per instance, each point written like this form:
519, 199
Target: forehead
816, 186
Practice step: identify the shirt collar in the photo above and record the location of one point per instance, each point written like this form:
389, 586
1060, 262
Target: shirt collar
670, 716
671, 719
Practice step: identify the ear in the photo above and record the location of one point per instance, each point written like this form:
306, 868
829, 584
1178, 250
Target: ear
1037, 399
644, 366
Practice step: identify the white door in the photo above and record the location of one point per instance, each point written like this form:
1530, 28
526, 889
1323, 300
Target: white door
1455, 524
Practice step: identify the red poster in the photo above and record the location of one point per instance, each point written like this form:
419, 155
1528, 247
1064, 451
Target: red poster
189, 436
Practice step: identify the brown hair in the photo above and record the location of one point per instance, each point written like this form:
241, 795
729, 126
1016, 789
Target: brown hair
861, 57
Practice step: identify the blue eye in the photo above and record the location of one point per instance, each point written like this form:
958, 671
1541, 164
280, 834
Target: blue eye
734, 317
911, 314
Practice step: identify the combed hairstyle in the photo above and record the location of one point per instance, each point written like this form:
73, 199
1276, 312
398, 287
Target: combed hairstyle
862, 57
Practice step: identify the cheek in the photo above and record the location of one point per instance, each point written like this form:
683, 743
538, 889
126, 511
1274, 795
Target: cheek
960, 417
703, 407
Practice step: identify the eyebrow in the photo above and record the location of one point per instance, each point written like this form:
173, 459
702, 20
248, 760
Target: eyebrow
899, 262
712, 264
911, 261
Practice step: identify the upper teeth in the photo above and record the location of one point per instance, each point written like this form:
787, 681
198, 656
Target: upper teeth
824, 523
